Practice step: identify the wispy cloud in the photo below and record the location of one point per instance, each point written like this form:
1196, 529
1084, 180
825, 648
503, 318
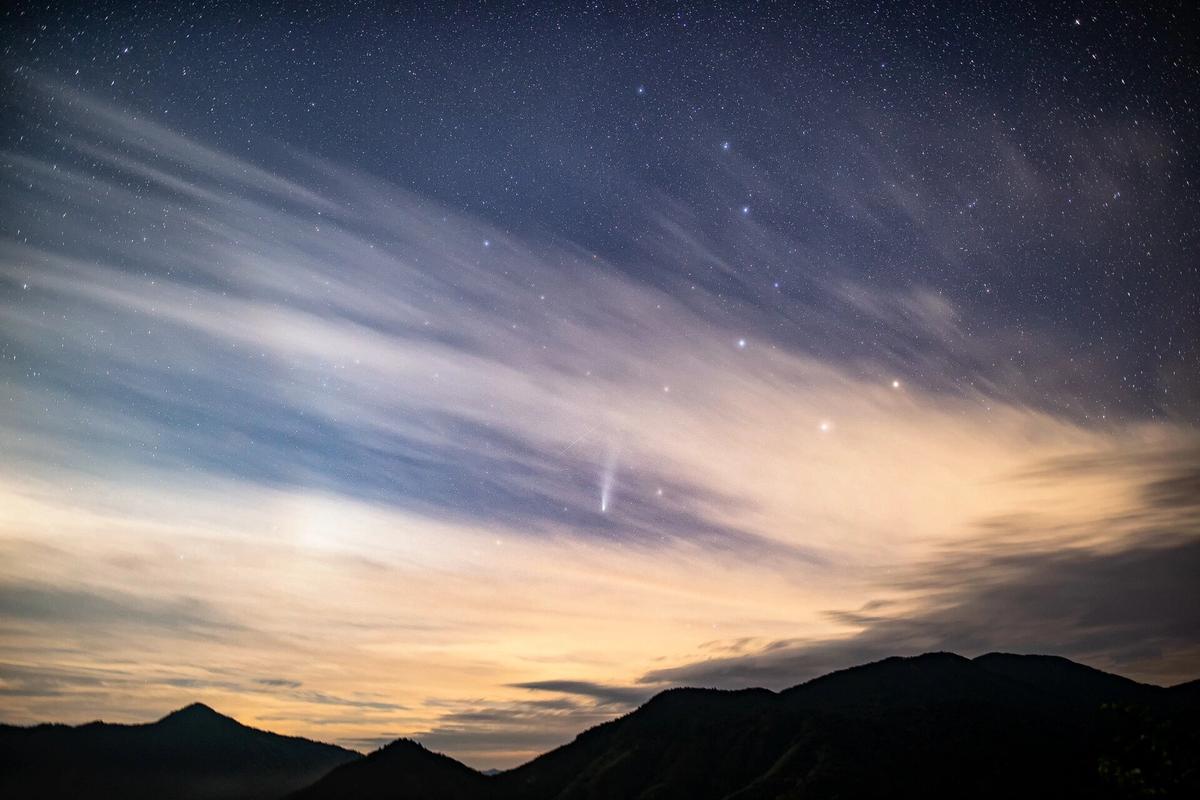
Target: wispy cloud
328, 454
1117, 590
45, 605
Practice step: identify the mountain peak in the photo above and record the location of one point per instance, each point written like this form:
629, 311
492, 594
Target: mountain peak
193, 752
196, 714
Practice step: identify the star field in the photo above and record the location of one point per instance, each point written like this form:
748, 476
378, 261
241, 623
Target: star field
364, 364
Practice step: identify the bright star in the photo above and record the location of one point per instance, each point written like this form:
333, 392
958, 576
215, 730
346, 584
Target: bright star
895, 384
742, 344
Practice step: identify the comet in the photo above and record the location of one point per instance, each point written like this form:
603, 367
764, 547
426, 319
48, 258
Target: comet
608, 479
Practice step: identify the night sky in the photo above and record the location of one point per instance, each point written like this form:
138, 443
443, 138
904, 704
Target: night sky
471, 373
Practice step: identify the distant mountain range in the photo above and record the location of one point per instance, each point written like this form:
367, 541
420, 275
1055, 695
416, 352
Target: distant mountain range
937, 725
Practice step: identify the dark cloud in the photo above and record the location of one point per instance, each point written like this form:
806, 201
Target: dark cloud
504, 733
602, 693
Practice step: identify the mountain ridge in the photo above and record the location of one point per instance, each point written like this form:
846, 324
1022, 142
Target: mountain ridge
192, 753
934, 723
937, 724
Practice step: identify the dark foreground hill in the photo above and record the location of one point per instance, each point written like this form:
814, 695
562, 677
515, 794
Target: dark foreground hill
191, 754
934, 726
404, 770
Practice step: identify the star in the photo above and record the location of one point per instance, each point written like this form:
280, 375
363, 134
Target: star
895, 384
741, 343
724, 145
825, 426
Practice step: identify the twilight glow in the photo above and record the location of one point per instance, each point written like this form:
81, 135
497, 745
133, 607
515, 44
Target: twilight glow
482, 404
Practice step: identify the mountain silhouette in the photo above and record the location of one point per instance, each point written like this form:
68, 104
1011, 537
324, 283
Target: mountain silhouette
937, 725
931, 726
402, 770
191, 754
